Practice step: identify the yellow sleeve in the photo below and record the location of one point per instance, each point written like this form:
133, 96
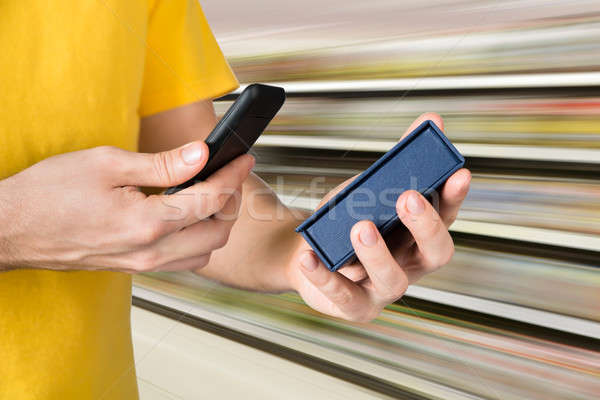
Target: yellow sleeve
183, 63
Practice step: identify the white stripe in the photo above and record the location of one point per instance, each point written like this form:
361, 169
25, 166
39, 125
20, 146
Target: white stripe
518, 313
546, 319
503, 81
551, 237
535, 153
528, 234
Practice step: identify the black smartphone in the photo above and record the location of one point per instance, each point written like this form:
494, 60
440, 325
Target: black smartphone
239, 128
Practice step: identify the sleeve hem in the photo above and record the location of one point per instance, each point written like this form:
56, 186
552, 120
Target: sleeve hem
187, 93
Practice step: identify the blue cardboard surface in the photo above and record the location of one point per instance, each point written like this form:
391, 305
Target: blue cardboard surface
422, 161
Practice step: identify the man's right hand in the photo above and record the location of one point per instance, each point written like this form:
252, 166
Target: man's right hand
84, 210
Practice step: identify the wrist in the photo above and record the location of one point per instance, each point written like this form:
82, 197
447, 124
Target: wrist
279, 267
281, 244
278, 273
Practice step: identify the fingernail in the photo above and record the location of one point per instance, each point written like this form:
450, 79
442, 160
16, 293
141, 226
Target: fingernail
192, 153
308, 261
367, 236
414, 204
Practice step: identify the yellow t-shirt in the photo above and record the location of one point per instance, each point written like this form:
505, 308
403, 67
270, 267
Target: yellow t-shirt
75, 75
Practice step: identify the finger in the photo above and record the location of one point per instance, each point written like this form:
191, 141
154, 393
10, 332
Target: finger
354, 272
453, 194
350, 299
201, 200
195, 241
200, 238
433, 117
231, 210
427, 228
388, 279
164, 169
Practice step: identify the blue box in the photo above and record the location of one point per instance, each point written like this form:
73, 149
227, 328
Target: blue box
422, 161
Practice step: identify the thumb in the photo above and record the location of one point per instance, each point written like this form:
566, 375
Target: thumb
164, 169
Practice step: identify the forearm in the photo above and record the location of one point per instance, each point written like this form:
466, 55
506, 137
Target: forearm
260, 244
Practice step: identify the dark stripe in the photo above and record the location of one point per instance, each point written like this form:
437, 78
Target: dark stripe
359, 160
507, 324
581, 91
588, 258
318, 364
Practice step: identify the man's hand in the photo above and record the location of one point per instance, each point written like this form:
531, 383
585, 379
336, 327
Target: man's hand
83, 210
383, 271
264, 253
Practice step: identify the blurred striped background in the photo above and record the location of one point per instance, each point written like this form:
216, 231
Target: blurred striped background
516, 314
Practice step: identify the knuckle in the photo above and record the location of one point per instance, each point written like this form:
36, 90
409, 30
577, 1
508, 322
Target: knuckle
397, 289
204, 207
148, 233
201, 208
434, 228
440, 259
221, 200
106, 155
213, 202
214, 187
229, 215
146, 261
342, 296
170, 209
105, 150
242, 173
208, 196
161, 163
322, 281
222, 236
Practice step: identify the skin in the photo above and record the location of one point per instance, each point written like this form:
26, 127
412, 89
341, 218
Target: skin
277, 259
84, 210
